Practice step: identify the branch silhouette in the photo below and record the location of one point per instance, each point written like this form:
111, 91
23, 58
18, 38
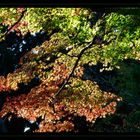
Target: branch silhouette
95, 40
22, 14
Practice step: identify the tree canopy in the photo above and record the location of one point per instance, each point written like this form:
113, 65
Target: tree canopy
70, 66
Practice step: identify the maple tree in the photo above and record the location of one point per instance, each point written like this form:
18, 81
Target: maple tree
68, 74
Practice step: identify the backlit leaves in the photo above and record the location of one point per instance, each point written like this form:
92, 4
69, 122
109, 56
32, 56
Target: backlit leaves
52, 62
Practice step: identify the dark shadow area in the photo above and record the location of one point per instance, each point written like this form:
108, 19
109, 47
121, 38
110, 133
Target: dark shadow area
103, 78
124, 82
17, 125
80, 124
2, 99
25, 89
15, 46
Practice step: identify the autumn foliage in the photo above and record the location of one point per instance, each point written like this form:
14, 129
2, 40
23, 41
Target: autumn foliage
78, 98
70, 63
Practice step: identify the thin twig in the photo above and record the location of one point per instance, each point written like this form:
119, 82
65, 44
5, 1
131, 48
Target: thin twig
94, 41
22, 14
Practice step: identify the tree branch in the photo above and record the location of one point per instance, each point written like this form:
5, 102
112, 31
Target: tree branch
22, 14
94, 41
